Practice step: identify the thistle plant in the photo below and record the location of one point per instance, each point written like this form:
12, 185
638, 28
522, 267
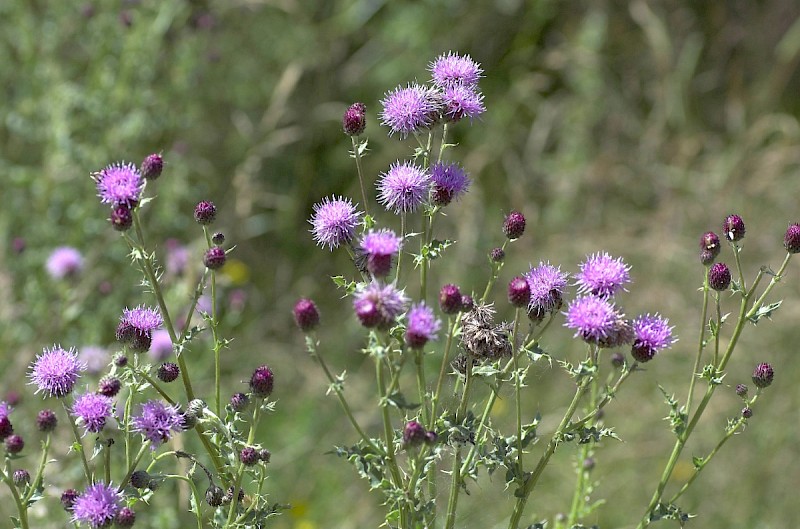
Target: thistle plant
137, 434
444, 353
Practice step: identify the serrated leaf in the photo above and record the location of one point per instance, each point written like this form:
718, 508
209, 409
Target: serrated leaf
765, 311
398, 400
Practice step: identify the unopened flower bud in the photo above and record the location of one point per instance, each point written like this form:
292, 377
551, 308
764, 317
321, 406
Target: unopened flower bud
733, 228
514, 225
763, 375
719, 277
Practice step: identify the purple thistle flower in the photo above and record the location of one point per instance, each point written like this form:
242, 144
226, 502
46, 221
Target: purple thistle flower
64, 261
594, 319
119, 184
97, 506
653, 334
334, 221
144, 319
603, 276
5, 410
92, 410
379, 248
450, 69
379, 305
449, 182
461, 102
157, 421
55, 371
547, 284
422, 326
404, 187
407, 110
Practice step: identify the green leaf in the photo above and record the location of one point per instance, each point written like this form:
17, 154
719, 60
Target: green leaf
348, 286
713, 375
698, 462
765, 311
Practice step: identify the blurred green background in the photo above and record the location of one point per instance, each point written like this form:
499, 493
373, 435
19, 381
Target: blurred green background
630, 127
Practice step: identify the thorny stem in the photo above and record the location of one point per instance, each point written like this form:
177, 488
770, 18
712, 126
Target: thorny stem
728, 434
744, 316
454, 321
517, 386
22, 508
455, 483
37, 479
495, 273
132, 467
214, 333
701, 343
237, 480
533, 478
419, 360
311, 346
357, 157
389, 437
86, 471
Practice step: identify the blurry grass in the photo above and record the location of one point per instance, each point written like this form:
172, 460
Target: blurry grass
627, 128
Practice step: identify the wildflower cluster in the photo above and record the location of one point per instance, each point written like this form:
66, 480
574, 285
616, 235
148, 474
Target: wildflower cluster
424, 428
122, 411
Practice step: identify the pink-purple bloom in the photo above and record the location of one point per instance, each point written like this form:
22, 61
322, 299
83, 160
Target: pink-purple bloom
64, 261
653, 334
97, 506
92, 411
120, 184
56, 371
157, 421
404, 187
143, 319
594, 319
547, 283
334, 221
378, 305
450, 69
422, 325
407, 110
449, 182
462, 102
379, 247
602, 276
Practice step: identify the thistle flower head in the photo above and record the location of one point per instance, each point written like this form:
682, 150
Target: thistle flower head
97, 506
92, 411
306, 315
152, 166
449, 182
719, 276
547, 283
422, 326
379, 247
262, 381
119, 184
450, 69
602, 276
450, 299
64, 261
157, 421
733, 228
143, 319
519, 292
653, 334
354, 120
404, 187
514, 225
408, 109
334, 221
594, 319
709, 247
481, 336
763, 375
461, 102
378, 305
791, 240
56, 370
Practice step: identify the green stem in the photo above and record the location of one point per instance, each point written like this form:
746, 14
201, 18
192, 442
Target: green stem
701, 343
22, 508
132, 467
453, 326
311, 346
496, 267
728, 434
79, 445
357, 156
39, 476
531, 481
517, 386
237, 480
419, 360
455, 484
389, 437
